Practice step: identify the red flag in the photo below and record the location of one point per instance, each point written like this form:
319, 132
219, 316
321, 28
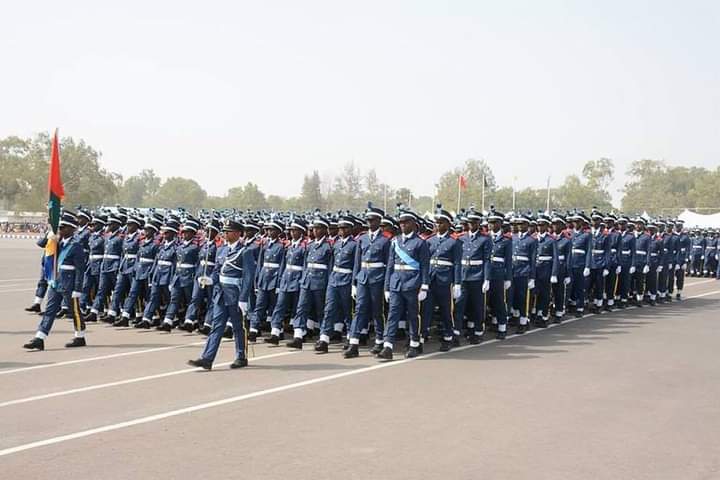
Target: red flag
462, 182
55, 186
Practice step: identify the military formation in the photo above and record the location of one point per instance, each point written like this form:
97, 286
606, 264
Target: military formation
369, 281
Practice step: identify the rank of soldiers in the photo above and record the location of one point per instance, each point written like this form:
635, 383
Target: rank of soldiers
371, 280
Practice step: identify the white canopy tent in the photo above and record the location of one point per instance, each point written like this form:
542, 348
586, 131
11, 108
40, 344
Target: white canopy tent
693, 219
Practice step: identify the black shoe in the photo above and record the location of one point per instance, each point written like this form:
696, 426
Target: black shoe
121, 322
346, 343
541, 322
252, 336
145, 324
385, 354
228, 333
205, 329
455, 341
164, 327
91, 317
62, 313
578, 314
351, 352
521, 329
363, 339
239, 363
622, 305
557, 320
652, 303
445, 346
272, 340
475, 339
376, 349
76, 342
35, 344
412, 352
35, 307
669, 298
401, 334
109, 319
501, 335
677, 297
321, 347
296, 343
200, 363
335, 336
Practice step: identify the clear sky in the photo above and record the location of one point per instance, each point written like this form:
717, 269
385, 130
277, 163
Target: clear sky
265, 91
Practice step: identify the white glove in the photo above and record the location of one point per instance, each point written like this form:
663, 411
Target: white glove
659, 269
632, 270
507, 284
486, 286
567, 280
646, 269
606, 272
553, 279
531, 284
51, 235
243, 307
457, 291
677, 267
702, 257
618, 270
353, 291
586, 272
422, 295
387, 296
76, 294
277, 291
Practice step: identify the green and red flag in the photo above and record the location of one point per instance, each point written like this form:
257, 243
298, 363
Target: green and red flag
55, 196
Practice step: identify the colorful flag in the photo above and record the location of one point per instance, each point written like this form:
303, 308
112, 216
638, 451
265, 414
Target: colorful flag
55, 196
462, 182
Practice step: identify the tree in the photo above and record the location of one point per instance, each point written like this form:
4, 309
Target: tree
180, 192
347, 192
248, 197
374, 190
140, 190
311, 194
474, 172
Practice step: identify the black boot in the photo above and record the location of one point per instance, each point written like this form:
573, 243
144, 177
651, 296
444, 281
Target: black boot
35, 308
62, 313
90, 317
521, 329
239, 363
200, 363
121, 322
501, 335
351, 352
252, 336
321, 347
144, 324
376, 349
541, 322
228, 333
272, 340
474, 339
164, 327
296, 343
76, 342
445, 346
412, 352
363, 339
385, 354
205, 329
35, 344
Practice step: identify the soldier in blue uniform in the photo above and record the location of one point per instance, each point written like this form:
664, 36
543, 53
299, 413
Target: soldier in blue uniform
684, 246
638, 284
406, 284
227, 277
667, 258
290, 275
109, 266
181, 285
626, 252
697, 254
65, 287
601, 251
94, 258
463, 263
563, 247
271, 262
140, 288
580, 261
711, 254
201, 299
371, 257
612, 279
546, 269
501, 271
338, 304
655, 256
162, 274
251, 244
126, 271
672, 243
42, 285
524, 253
314, 280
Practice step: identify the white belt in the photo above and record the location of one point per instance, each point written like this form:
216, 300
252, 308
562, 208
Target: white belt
498, 259
165, 263
640, 252
653, 254
682, 249
205, 262
67, 267
229, 280
372, 264
698, 246
471, 263
186, 265
405, 267
111, 257
295, 268
96, 257
130, 256
342, 270
595, 251
578, 250
317, 266
271, 265
146, 260
626, 252
613, 250
545, 258
521, 258
561, 257
447, 263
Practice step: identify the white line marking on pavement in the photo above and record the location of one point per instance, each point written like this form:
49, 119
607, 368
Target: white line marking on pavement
90, 388
259, 393
17, 290
5, 280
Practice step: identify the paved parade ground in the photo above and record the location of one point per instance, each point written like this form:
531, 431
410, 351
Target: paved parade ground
628, 395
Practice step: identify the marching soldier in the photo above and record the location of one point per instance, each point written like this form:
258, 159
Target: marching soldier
271, 263
666, 268
563, 247
524, 252
580, 261
140, 288
546, 269
613, 268
673, 246
109, 266
65, 287
42, 285
642, 261
126, 270
601, 251
655, 255
711, 254
626, 251
91, 279
683, 255
501, 271
697, 254
201, 300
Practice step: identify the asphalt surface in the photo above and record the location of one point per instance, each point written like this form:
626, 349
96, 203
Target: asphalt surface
633, 394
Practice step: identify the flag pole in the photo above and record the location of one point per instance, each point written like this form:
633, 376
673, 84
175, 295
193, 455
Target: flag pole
458, 198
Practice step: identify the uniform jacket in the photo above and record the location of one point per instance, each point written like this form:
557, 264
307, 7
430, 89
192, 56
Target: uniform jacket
546, 264
501, 267
642, 249
626, 249
165, 261
228, 274
343, 262
402, 275
317, 266
145, 261
293, 266
563, 247
524, 253
581, 249
187, 259
71, 265
270, 264
206, 259
371, 258
250, 255
601, 246
473, 264
96, 244
684, 248
112, 253
131, 245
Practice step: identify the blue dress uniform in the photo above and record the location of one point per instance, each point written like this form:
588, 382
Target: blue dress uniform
42, 285
371, 257
109, 267
227, 278
181, 285
289, 290
163, 273
407, 272
501, 274
91, 279
524, 253
697, 254
546, 274
655, 254
64, 289
599, 263
638, 284
144, 263
271, 263
579, 265
612, 280
126, 271
471, 270
711, 256
683, 258
251, 252
667, 262
626, 262
201, 300
563, 247
673, 245
313, 284
338, 304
